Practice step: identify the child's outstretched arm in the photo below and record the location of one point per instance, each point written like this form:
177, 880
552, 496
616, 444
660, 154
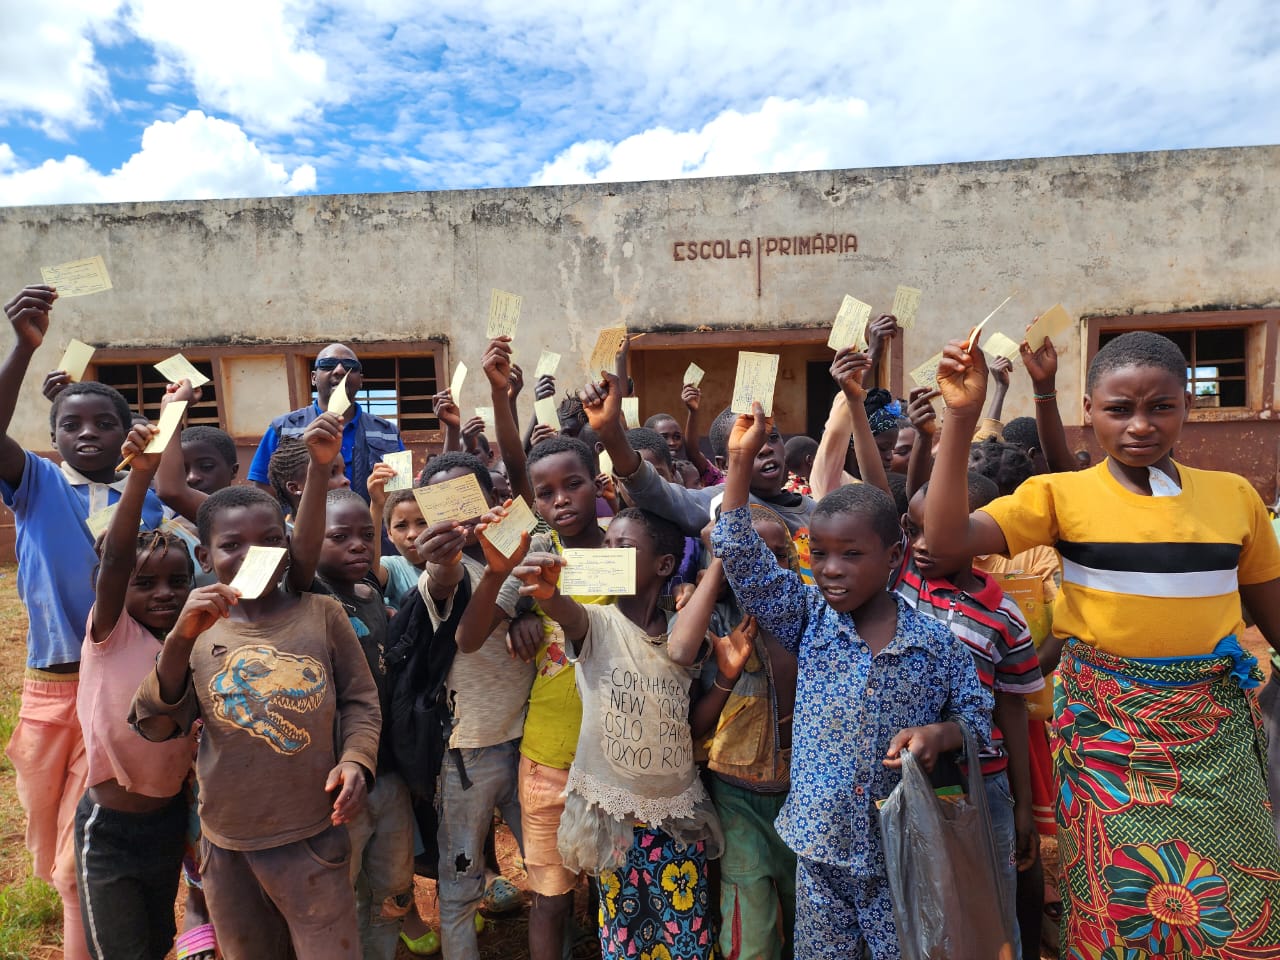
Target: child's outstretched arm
847, 370
28, 313
1042, 366
925, 419
323, 438
120, 542
483, 614
692, 622
205, 606
498, 371
691, 396
540, 573
962, 378
377, 485
450, 417
732, 652
171, 476
602, 403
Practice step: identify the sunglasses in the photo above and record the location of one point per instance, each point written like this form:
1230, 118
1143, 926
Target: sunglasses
332, 363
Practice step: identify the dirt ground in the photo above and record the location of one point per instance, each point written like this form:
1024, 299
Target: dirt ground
503, 939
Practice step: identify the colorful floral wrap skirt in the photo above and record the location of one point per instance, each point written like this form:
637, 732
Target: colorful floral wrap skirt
654, 907
1165, 833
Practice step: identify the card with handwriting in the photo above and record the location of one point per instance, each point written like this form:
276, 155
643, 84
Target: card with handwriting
693, 375
75, 360
170, 417
631, 412
99, 520
850, 327
1052, 323
504, 313
606, 463
998, 345
545, 412
486, 414
926, 375
606, 349
459, 378
78, 278
401, 461
547, 363
757, 373
178, 368
457, 499
339, 399
258, 571
906, 302
607, 571
505, 535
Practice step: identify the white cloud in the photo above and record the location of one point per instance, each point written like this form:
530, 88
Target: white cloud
248, 58
196, 157
781, 135
50, 68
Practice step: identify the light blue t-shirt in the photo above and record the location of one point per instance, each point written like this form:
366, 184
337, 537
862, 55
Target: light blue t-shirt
55, 557
402, 576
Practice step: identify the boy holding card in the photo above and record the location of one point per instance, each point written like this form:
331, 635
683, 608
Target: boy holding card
488, 690
636, 815
285, 691
52, 505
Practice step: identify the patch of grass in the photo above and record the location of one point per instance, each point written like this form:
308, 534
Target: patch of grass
28, 910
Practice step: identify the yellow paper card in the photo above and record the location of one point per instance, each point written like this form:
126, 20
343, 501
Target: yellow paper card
505, 535
547, 363
100, 520
926, 375
906, 302
1050, 324
606, 463
459, 378
504, 313
339, 400
170, 417
75, 359
631, 412
998, 345
607, 346
79, 278
757, 373
401, 461
258, 571
486, 414
178, 368
608, 571
545, 412
457, 499
693, 375
850, 327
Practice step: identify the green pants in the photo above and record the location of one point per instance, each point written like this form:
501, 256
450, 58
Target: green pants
757, 876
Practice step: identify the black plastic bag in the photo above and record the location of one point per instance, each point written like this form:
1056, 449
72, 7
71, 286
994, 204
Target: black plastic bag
943, 876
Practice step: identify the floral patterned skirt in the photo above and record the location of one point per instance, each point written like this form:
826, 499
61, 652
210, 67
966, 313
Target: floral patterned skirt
655, 906
1165, 832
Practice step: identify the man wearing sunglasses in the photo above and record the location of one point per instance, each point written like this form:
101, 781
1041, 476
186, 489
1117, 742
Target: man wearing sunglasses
365, 437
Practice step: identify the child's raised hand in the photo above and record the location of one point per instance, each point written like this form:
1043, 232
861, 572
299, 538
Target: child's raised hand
351, 798
540, 574
441, 543
847, 370
545, 387
608, 491
735, 648
131, 450
323, 438
962, 378
925, 744
446, 410
883, 329
525, 637
515, 382
1000, 368
55, 381
471, 430
205, 606
28, 312
683, 593
1042, 364
602, 401
377, 484
494, 558
542, 432
496, 363
182, 390
692, 397
749, 433
920, 410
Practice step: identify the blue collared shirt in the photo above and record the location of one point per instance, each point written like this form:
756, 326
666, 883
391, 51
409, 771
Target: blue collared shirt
849, 704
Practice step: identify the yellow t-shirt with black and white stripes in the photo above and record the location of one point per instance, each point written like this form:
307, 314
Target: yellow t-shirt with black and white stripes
1145, 576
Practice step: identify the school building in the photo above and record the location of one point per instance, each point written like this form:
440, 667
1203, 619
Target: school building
1183, 242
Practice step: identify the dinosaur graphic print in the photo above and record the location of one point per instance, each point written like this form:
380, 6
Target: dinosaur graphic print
259, 684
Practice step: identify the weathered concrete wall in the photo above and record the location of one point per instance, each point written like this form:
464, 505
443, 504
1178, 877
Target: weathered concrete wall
1131, 233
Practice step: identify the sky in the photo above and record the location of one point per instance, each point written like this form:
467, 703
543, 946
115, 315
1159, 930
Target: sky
127, 100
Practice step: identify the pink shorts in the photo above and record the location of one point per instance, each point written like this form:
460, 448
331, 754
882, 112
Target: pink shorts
541, 804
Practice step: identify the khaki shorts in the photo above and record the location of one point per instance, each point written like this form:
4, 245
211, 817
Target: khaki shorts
541, 804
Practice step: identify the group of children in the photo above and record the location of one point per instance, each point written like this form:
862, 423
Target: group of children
710, 748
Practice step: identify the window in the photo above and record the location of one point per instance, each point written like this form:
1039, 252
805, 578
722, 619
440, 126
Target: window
1217, 363
399, 389
143, 387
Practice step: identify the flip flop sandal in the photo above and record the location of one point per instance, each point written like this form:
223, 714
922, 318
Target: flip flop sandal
197, 942
502, 897
423, 946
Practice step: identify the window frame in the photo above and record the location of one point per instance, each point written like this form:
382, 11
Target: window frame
1261, 330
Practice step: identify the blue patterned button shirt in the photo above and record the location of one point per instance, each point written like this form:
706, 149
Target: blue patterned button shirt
849, 704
